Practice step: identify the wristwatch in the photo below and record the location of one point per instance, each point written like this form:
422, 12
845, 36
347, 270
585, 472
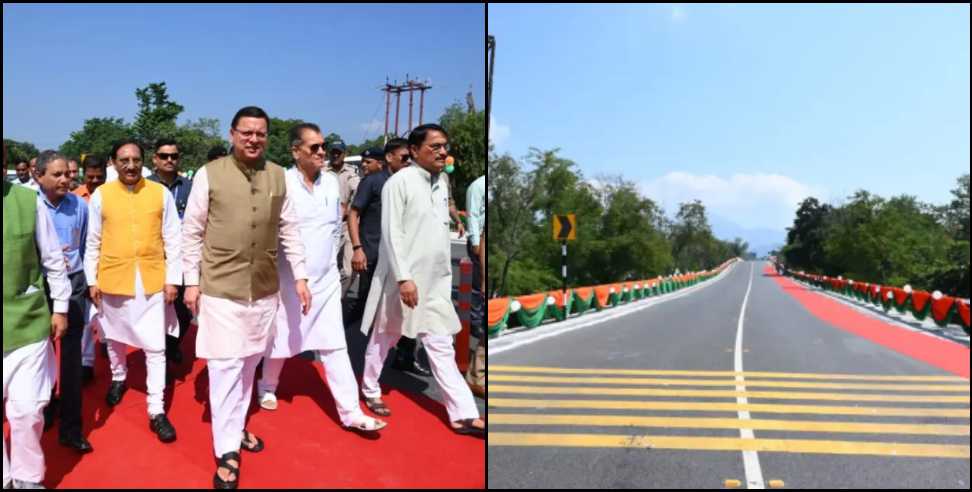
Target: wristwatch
356, 247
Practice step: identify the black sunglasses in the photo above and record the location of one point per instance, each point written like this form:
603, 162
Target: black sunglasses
164, 156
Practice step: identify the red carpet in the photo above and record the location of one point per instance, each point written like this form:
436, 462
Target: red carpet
305, 445
950, 356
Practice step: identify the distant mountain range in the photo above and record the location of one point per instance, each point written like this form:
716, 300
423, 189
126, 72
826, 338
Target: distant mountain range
761, 241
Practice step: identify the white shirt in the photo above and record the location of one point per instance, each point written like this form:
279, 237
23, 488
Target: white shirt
171, 239
194, 228
111, 173
415, 246
319, 217
52, 258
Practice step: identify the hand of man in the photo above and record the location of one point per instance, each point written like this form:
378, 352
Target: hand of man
95, 294
58, 325
305, 296
171, 292
359, 261
409, 293
462, 230
191, 299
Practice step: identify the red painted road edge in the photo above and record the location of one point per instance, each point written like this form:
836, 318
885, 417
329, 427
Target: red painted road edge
946, 355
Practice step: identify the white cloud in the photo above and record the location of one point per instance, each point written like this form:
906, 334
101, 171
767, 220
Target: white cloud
750, 200
678, 13
498, 133
373, 126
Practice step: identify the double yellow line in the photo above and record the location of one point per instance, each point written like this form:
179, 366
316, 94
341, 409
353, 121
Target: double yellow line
942, 397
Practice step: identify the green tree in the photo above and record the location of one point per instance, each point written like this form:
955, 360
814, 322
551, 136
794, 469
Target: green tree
377, 142
19, 151
96, 137
195, 140
278, 141
156, 117
804, 243
467, 141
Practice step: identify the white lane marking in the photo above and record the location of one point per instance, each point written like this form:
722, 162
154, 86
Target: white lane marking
754, 474
499, 345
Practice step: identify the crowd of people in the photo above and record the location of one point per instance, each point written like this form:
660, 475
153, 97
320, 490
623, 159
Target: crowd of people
260, 256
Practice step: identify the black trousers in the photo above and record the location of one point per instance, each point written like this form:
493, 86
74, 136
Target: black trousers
477, 316
69, 379
356, 312
184, 316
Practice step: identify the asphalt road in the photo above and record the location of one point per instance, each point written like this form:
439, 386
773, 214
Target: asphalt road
826, 409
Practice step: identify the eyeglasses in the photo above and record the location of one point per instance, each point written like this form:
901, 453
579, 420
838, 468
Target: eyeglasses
438, 147
316, 147
168, 157
250, 134
404, 157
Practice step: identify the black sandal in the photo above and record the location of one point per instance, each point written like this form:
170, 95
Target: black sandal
256, 448
468, 429
223, 462
377, 406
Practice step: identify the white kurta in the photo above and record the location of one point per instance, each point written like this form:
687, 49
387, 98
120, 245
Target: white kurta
414, 246
29, 371
319, 216
230, 329
137, 321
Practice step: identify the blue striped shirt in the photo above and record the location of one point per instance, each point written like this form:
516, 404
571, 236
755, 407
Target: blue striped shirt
70, 219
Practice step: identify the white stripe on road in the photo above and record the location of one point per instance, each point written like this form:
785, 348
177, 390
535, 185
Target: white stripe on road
754, 474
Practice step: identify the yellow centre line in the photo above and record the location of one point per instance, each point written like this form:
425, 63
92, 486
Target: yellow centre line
710, 423
729, 407
730, 444
574, 390
727, 382
495, 369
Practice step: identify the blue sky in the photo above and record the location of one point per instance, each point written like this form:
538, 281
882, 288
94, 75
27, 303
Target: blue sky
747, 107
63, 64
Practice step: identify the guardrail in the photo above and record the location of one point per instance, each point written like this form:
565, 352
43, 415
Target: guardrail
942, 309
531, 310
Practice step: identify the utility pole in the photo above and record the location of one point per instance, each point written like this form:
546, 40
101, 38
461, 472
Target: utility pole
491, 51
409, 86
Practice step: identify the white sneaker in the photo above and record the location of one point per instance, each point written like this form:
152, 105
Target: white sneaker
268, 401
17, 484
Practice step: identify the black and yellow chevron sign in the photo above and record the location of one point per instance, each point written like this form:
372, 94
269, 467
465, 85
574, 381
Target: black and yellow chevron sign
564, 227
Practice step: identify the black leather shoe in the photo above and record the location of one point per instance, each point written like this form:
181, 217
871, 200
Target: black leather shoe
412, 366
161, 426
77, 443
50, 413
174, 356
115, 392
87, 374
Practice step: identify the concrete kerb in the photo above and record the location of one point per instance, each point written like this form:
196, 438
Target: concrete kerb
906, 320
525, 336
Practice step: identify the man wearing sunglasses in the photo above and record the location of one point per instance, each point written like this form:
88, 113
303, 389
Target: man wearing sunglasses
166, 162
316, 196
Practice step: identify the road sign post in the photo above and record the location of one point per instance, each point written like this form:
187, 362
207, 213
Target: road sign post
564, 229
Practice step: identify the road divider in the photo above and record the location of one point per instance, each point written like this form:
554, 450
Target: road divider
530, 311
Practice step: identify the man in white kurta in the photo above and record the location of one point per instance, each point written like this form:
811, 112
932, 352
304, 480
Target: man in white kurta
316, 195
29, 368
135, 321
231, 276
412, 291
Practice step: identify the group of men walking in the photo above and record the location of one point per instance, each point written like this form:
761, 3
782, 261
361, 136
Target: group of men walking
249, 249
